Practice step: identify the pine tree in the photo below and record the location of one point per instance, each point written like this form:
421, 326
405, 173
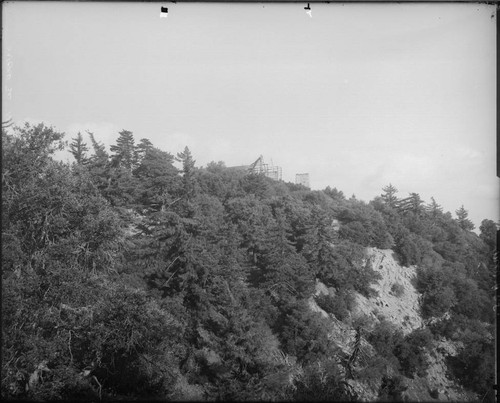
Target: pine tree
488, 233
142, 149
390, 195
98, 165
284, 272
416, 203
412, 203
158, 179
125, 154
187, 171
99, 149
433, 208
462, 219
78, 149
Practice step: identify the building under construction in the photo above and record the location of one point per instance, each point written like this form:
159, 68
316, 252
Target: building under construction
269, 170
302, 179
260, 167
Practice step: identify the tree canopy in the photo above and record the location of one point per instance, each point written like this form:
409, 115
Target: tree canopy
125, 278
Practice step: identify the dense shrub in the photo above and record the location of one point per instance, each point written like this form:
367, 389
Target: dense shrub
397, 289
405, 353
392, 389
412, 249
473, 366
471, 301
385, 337
339, 305
345, 269
303, 333
411, 352
438, 295
355, 232
125, 340
434, 393
322, 381
364, 225
197, 294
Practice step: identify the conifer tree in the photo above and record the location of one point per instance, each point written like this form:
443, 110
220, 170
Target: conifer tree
142, 149
390, 195
187, 161
416, 203
187, 171
433, 208
98, 165
284, 272
78, 149
124, 150
99, 149
158, 179
488, 233
462, 219
412, 203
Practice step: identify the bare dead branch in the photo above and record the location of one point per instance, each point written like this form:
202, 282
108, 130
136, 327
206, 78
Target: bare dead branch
69, 346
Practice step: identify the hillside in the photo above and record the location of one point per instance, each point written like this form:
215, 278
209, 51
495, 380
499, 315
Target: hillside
403, 311
401, 308
126, 278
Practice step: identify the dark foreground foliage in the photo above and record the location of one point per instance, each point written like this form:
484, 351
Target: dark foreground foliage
126, 278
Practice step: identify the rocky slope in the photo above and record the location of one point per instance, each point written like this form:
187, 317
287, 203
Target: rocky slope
397, 302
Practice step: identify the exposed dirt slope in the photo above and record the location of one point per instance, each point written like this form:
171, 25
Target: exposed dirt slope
402, 309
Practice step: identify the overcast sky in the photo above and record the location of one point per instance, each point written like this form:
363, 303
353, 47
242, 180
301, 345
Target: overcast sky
358, 95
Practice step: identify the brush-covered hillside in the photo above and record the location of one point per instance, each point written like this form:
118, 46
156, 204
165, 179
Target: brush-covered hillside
126, 278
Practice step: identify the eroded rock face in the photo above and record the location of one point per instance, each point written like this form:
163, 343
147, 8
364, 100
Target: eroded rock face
437, 378
398, 301
400, 305
321, 289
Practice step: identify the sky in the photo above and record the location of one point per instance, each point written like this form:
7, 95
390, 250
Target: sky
356, 95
